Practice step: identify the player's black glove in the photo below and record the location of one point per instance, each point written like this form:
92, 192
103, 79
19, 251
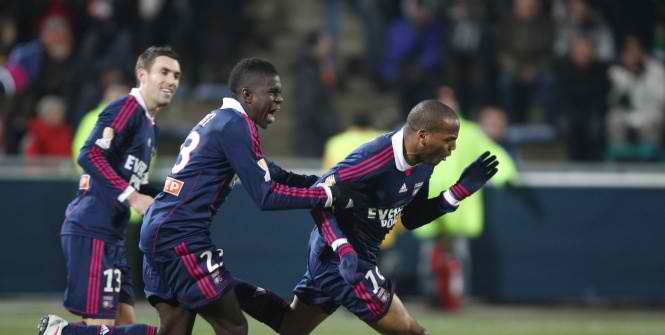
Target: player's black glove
348, 264
344, 196
475, 176
300, 180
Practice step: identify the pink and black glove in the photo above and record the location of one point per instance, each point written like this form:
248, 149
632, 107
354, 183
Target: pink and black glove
348, 263
474, 177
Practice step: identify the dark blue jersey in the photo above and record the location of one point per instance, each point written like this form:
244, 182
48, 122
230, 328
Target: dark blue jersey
221, 149
115, 159
379, 170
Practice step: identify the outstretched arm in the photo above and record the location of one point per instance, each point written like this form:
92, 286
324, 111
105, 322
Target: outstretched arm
422, 211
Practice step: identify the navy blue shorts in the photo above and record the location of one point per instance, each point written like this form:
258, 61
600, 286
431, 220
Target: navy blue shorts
190, 275
98, 277
369, 299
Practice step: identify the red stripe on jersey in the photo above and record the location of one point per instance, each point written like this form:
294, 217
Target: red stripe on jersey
299, 192
94, 277
120, 119
202, 281
363, 294
322, 219
99, 161
370, 168
254, 134
368, 165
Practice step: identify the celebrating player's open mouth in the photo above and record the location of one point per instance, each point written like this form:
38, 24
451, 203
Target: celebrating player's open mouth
271, 115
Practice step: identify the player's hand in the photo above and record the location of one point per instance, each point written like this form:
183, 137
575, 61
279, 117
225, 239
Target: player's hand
344, 196
300, 180
348, 266
140, 202
475, 176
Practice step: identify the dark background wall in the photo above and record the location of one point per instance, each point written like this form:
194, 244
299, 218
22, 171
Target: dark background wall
539, 245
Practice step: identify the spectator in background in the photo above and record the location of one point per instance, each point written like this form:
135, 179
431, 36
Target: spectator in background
494, 122
373, 24
40, 67
413, 58
342, 144
470, 51
448, 236
582, 87
525, 48
48, 134
106, 48
7, 37
113, 91
575, 18
316, 117
637, 104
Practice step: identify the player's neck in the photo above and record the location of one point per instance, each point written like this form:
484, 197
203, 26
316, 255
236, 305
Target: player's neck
150, 104
411, 154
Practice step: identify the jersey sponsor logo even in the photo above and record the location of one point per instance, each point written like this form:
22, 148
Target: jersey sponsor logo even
139, 171
387, 216
173, 186
84, 182
107, 137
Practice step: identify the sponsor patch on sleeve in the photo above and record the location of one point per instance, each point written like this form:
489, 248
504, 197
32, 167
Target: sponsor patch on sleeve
84, 182
173, 186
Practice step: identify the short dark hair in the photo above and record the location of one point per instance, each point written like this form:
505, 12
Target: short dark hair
429, 115
246, 70
147, 58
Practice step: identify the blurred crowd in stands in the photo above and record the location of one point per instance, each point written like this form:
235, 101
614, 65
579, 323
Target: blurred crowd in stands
587, 74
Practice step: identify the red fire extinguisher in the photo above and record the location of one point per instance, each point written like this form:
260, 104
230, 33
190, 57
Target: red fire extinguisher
449, 278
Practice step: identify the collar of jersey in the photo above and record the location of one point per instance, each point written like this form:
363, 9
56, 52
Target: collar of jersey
137, 94
398, 148
233, 104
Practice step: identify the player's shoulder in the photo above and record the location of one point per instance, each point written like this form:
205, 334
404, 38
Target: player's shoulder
126, 104
379, 144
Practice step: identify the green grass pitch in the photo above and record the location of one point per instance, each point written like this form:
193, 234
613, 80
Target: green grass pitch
19, 316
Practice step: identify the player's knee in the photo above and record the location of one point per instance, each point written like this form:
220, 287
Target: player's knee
407, 327
415, 328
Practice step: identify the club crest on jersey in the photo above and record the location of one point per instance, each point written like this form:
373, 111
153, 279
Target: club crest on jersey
417, 188
173, 186
84, 182
264, 166
330, 181
107, 137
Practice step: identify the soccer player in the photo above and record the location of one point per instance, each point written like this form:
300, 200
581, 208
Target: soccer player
115, 159
184, 272
393, 171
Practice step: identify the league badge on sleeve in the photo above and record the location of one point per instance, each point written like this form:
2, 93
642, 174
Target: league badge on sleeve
84, 182
107, 137
264, 166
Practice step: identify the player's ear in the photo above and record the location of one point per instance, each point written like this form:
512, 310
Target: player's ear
246, 95
141, 74
422, 136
